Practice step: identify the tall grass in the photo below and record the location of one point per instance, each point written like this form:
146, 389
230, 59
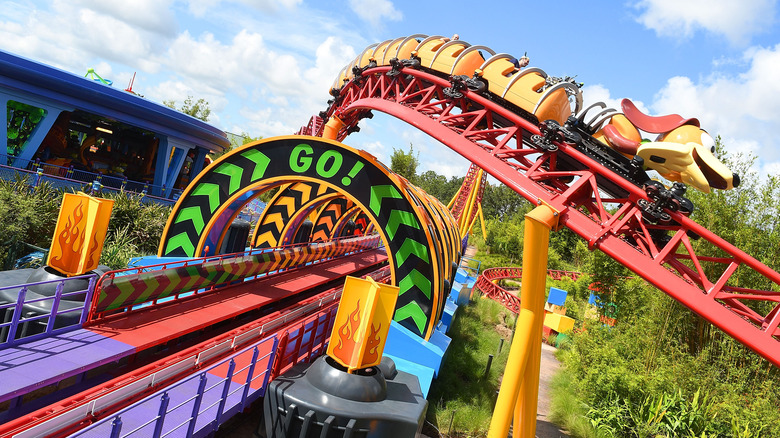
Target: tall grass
567, 410
462, 393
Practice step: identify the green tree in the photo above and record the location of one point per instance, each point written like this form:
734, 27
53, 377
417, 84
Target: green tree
28, 216
438, 185
236, 140
501, 202
663, 370
198, 109
405, 163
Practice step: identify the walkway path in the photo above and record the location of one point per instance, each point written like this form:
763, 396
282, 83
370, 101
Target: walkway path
548, 368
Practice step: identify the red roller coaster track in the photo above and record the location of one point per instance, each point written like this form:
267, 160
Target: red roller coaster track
494, 135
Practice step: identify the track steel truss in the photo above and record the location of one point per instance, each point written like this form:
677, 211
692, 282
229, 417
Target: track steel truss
679, 256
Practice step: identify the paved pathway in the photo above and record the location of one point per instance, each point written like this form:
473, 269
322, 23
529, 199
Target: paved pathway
549, 366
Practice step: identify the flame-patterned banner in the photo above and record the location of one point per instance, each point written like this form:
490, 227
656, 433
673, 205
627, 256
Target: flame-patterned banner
81, 230
362, 323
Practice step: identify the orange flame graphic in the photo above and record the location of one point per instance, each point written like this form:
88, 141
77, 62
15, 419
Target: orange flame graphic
95, 250
347, 334
373, 342
71, 238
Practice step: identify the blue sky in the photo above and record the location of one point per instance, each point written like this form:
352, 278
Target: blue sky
265, 66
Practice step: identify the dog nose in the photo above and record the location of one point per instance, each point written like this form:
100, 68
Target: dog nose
735, 180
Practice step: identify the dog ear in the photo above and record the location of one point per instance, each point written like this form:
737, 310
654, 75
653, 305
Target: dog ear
654, 124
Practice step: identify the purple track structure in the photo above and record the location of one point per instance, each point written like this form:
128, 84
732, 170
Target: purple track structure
197, 405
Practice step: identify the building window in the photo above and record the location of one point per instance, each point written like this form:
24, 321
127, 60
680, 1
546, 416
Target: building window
22, 121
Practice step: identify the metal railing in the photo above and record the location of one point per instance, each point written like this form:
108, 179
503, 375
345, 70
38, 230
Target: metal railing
300, 342
99, 402
15, 317
61, 176
465, 264
203, 410
198, 281
486, 283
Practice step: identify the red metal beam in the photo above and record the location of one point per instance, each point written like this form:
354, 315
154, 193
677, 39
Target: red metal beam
489, 134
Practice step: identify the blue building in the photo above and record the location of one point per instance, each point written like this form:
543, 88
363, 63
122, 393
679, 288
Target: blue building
72, 130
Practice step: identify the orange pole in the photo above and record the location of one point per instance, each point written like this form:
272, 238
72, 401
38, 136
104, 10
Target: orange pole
538, 224
332, 128
520, 387
513, 373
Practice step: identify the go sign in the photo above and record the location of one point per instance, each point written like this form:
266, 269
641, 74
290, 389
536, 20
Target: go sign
329, 163
216, 194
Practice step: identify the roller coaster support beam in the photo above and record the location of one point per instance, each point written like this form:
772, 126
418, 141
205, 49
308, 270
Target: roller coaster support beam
520, 388
332, 128
482, 222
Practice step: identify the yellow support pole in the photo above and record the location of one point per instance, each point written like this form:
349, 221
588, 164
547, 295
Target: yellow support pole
520, 388
510, 384
465, 226
452, 201
482, 222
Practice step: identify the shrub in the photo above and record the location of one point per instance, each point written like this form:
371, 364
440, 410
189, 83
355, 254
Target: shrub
27, 215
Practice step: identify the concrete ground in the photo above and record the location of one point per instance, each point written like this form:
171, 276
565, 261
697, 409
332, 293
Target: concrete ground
549, 366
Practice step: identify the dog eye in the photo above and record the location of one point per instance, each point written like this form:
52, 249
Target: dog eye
707, 141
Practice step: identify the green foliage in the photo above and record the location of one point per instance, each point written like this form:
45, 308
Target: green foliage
502, 203
567, 410
27, 215
438, 186
30, 216
662, 370
143, 223
118, 249
504, 237
198, 109
461, 386
405, 163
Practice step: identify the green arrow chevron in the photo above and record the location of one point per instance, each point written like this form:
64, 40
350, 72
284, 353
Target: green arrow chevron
193, 214
182, 241
212, 191
380, 192
415, 278
412, 310
151, 284
234, 172
410, 247
398, 217
261, 162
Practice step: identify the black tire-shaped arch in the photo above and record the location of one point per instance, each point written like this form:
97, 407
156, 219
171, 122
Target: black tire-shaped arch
283, 214
218, 193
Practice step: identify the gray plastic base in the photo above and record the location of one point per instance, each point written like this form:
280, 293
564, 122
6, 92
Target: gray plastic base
322, 400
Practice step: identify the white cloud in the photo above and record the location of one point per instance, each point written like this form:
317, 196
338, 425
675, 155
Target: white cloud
375, 11
592, 94
109, 36
245, 60
152, 15
599, 93
377, 149
200, 8
772, 168
433, 155
737, 21
69, 36
742, 108
447, 169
